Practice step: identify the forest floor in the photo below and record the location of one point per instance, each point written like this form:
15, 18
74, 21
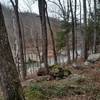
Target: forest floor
82, 84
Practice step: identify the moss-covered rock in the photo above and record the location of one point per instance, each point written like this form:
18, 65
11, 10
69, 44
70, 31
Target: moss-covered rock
67, 72
57, 71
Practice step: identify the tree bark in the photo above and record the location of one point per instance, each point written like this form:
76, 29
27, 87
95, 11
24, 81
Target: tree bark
73, 30
42, 11
15, 6
82, 46
52, 37
68, 49
85, 30
95, 31
37, 47
75, 22
9, 80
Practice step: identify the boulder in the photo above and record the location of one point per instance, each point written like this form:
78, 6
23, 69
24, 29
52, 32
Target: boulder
67, 73
86, 63
43, 78
77, 66
57, 71
42, 71
76, 77
93, 58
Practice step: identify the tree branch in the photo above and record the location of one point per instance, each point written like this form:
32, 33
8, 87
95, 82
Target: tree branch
55, 4
12, 3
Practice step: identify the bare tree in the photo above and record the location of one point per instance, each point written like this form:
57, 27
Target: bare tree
52, 37
64, 14
73, 30
37, 39
81, 32
75, 19
37, 46
9, 80
95, 31
42, 12
15, 6
85, 30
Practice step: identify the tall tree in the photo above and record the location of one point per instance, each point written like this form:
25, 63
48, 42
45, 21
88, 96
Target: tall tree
42, 12
95, 31
64, 14
75, 22
81, 32
15, 6
38, 46
52, 37
73, 30
85, 30
9, 80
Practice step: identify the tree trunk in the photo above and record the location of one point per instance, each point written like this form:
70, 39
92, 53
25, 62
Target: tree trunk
68, 49
75, 12
15, 6
81, 29
85, 30
52, 37
9, 80
42, 11
95, 31
73, 31
37, 47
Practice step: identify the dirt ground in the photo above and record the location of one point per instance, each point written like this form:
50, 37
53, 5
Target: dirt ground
91, 72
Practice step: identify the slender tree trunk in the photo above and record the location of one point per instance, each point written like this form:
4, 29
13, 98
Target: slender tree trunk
9, 80
73, 30
39, 54
37, 47
95, 31
68, 49
89, 40
75, 12
42, 11
85, 30
67, 36
24, 51
15, 6
81, 29
52, 37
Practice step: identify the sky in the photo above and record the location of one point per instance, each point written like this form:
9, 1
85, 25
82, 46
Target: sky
23, 5
31, 6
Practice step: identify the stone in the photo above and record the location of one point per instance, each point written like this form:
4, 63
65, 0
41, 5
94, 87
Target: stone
76, 66
93, 58
67, 73
76, 77
42, 71
57, 71
86, 63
